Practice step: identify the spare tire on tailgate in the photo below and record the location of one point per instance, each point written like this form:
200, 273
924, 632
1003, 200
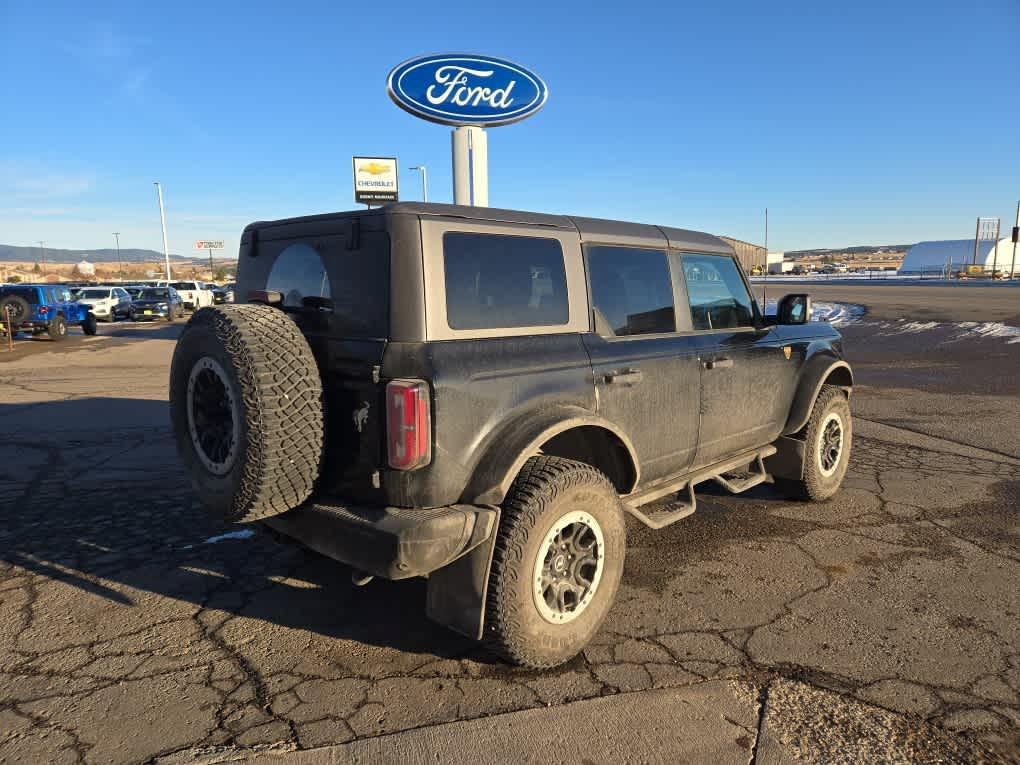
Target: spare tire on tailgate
246, 408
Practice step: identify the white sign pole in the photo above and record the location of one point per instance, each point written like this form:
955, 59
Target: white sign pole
162, 222
470, 166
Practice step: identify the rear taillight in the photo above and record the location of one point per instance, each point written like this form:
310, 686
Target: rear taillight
43, 310
408, 424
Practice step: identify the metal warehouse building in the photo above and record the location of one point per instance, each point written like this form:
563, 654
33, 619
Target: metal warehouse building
952, 255
750, 255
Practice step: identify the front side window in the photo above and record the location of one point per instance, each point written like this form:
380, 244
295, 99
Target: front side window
298, 273
631, 291
496, 281
719, 298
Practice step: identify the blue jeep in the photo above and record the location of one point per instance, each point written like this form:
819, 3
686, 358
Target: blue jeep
45, 308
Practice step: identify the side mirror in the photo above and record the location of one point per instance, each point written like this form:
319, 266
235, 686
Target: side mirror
794, 309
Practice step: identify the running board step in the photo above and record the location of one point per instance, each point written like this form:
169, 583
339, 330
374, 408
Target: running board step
716, 472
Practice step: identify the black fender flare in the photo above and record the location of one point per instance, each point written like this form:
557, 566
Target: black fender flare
521, 440
816, 373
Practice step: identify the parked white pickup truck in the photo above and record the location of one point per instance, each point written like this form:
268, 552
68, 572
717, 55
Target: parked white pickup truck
194, 294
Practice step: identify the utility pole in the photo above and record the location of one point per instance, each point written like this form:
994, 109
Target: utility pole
162, 223
120, 265
1016, 235
42, 257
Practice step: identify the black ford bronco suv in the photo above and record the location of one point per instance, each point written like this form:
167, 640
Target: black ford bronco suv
480, 396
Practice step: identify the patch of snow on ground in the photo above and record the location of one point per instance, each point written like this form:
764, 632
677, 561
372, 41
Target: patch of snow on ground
834, 313
993, 329
242, 534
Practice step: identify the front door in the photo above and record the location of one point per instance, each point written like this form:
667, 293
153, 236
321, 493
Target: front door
647, 373
747, 373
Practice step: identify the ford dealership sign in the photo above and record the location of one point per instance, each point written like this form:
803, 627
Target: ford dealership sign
466, 89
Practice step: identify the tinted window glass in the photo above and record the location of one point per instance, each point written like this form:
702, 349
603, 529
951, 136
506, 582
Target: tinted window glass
719, 298
185, 285
93, 294
504, 281
154, 294
631, 291
298, 273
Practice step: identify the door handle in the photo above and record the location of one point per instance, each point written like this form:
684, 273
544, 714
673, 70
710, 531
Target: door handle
717, 363
624, 377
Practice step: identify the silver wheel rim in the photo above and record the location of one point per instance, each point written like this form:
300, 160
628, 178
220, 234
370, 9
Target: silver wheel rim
568, 567
213, 416
830, 444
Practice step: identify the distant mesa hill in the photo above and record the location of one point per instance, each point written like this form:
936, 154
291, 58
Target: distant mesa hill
14, 254
849, 253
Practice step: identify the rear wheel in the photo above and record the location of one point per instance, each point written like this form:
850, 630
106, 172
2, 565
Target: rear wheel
57, 329
246, 409
557, 563
828, 437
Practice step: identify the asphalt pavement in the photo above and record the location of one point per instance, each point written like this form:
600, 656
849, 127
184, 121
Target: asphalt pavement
878, 626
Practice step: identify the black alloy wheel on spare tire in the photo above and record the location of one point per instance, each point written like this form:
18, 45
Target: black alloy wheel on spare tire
246, 408
57, 329
557, 562
19, 309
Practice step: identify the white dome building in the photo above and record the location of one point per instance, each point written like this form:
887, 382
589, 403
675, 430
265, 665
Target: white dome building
952, 255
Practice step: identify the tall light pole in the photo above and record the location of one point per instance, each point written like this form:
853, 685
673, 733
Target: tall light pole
424, 181
120, 265
42, 257
162, 223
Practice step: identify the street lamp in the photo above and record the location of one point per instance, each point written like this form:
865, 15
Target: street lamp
162, 223
120, 265
424, 181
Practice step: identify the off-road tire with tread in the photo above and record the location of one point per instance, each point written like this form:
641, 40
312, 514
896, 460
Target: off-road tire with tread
57, 328
546, 489
275, 381
20, 309
814, 485
89, 325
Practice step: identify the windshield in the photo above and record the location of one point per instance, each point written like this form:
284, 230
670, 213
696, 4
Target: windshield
93, 294
154, 294
183, 285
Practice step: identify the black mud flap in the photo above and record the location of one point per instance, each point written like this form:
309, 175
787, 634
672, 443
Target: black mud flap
788, 461
457, 591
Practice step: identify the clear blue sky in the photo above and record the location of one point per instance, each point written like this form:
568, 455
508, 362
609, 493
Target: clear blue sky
854, 123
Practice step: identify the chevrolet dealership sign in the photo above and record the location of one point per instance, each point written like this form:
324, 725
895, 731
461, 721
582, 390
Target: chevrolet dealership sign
375, 180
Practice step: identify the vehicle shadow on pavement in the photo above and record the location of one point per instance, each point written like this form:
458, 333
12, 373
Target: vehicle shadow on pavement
144, 330
110, 519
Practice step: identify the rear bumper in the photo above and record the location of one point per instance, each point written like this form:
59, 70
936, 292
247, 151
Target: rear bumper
390, 542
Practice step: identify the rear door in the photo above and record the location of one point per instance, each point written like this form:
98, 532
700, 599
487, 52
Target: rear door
645, 361
748, 373
336, 288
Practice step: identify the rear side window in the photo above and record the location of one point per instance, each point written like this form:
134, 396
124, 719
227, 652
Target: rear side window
631, 291
497, 281
718, 295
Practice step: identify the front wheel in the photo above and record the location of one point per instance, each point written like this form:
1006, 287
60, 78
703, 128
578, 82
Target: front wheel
557, 562
89, 325
828, 437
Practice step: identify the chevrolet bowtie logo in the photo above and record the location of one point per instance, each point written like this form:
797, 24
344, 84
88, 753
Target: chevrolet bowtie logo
373, 168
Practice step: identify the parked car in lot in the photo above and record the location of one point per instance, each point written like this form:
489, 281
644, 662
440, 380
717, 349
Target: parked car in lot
224, 294
194, 294
153, 303
39, 308
480, 396
107, 303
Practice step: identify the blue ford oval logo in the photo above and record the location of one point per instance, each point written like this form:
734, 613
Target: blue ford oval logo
466, 89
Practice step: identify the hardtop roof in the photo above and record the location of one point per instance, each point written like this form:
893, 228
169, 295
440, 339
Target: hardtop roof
601, 230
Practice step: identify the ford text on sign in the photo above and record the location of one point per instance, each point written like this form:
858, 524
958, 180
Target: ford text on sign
465, 89
209, 244
375, 180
